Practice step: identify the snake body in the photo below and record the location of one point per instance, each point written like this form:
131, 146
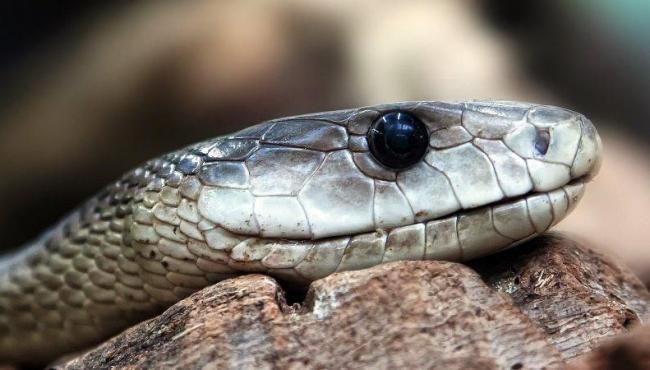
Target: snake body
297, 198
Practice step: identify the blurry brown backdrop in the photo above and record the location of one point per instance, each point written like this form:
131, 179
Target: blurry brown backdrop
89, 90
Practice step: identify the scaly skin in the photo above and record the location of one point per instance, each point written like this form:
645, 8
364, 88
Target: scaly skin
297, 198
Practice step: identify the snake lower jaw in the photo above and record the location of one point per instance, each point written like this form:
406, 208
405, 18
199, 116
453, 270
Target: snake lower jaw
461, 236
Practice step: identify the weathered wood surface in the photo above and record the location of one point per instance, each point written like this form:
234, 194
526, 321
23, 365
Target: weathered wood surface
534, 307
579, 297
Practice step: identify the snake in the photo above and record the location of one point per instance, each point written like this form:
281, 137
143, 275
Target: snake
296, 198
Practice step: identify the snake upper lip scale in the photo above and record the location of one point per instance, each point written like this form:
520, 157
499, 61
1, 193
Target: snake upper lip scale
297, 198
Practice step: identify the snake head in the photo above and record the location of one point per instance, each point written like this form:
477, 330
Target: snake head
354, 171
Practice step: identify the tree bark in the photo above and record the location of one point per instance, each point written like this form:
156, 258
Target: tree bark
533, 307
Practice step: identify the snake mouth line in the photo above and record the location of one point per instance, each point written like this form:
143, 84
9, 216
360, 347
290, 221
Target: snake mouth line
577, 182
505, 201
459, 236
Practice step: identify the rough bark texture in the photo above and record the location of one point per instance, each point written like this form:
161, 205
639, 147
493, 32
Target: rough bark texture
533, 307
578, 296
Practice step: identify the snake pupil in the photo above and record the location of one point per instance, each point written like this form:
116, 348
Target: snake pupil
398, 139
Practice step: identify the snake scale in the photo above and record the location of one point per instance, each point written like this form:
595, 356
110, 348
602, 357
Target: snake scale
297, 198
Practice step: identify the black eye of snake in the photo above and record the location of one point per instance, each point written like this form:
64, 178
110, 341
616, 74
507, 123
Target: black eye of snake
398, 139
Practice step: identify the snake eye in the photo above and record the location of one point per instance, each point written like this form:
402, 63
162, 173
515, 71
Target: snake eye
398, 140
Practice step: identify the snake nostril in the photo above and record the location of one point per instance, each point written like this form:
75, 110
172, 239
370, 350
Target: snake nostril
542, 140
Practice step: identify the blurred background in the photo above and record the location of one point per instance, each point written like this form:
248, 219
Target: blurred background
92, 88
